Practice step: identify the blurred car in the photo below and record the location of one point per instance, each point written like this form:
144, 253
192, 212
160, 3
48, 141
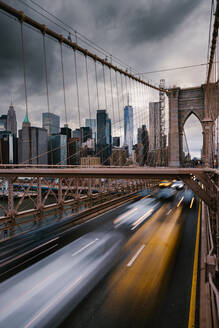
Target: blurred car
136, 215
45, 293
165, 193
179, 185
188, 195
165, 184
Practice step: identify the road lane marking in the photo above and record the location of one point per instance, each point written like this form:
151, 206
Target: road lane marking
180, 201
141, 219
192, 309
120, 218
84, 247
192, 201
169, 211
136, 255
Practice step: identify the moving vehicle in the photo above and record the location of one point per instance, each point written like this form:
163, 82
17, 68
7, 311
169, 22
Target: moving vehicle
165, 184
179, 185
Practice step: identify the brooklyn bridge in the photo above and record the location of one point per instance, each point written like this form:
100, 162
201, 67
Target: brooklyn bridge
111, 219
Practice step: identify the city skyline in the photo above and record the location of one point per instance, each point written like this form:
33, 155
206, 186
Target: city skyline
121, 38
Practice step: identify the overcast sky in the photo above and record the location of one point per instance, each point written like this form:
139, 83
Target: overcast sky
148, 35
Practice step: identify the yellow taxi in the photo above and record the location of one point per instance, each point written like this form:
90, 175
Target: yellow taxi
165, 184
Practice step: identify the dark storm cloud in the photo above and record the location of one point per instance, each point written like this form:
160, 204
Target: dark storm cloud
159, 20
131, 30
141, 21
11, 60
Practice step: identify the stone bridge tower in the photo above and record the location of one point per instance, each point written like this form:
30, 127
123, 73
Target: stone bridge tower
183, 103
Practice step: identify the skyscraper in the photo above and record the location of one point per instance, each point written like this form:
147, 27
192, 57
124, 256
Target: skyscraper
85, 133
32, 144
3, 122
57, 146
92, 123
76, 133
128, 127
154, 126
104, 136
51, 122
8, 148
66, 131
142, 145
116, 141
12, 121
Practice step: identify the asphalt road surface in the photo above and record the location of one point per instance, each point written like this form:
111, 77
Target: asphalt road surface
122, 269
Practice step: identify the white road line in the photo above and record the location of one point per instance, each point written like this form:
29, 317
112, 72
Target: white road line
169, 211
141, 219
86, 246
136, 255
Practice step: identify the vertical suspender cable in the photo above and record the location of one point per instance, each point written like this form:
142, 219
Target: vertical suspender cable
88, 91
118, 105
111, 88
24, 66
95, 65
104, 82
77, 88
46, 76
47, 95
63, 84
64, 98
25, 84
88, 88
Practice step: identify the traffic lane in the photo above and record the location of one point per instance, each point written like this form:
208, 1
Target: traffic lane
13, 260
25, 240
137, 286
42, 295
118, 299
176, 304
37, 252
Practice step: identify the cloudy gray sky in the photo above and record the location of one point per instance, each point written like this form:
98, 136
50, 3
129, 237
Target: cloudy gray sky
146, 34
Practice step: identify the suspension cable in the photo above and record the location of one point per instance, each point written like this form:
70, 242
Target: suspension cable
77, 88
88, 88
104, 82
63, 84
98, 104
24, 66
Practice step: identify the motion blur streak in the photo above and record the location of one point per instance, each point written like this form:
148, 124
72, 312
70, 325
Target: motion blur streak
118, 221
142, 218
140, 286
45, 293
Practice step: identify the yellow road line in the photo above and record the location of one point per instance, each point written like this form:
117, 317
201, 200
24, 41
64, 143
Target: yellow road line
192, 201
191, 323
180, 201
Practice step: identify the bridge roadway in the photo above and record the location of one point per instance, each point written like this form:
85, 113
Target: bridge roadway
139, 248
151, 284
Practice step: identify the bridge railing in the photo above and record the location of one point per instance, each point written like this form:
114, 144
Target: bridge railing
30, 197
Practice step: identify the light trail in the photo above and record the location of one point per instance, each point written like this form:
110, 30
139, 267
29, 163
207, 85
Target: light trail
124, 217
84, 247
